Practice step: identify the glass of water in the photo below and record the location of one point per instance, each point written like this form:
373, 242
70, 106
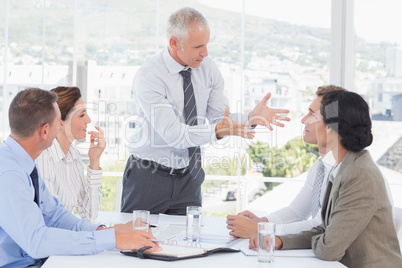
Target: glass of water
266, 241
141, 220
193, 224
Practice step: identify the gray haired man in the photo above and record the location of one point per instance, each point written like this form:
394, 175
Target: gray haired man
177, 91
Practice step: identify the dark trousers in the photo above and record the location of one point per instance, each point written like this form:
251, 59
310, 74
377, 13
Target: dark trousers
148, 188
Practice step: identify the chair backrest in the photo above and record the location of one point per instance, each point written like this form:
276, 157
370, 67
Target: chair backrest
397, 214
119, 192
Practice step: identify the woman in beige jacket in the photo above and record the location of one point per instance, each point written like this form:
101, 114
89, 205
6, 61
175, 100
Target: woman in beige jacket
357, 227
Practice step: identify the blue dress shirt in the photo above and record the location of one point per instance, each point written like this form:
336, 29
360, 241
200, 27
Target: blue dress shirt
161, 133
28, 232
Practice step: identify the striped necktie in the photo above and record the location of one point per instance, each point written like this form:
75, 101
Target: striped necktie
190, 115
319, 178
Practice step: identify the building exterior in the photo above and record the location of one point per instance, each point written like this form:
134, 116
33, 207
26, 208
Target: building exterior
282, 95
394, 62
19, 77
106, 89
385, 88
384, 106
397, 107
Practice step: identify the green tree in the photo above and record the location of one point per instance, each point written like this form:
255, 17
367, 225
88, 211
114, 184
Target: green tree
291, 160
258, 152
109, 185
226, 167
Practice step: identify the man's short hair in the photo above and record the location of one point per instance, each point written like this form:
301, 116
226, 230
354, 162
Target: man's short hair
327, 88
31, 109
179, 22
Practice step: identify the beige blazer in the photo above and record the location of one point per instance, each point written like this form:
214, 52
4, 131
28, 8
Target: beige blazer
357, 227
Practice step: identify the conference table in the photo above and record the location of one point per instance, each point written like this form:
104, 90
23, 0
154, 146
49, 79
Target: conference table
211, 225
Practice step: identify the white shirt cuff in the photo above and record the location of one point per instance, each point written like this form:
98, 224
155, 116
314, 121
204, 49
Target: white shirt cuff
274, 218
94, 177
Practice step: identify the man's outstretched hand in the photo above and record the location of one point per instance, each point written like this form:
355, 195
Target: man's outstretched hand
264, 116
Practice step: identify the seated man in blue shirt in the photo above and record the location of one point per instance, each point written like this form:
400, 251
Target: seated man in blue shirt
33, 223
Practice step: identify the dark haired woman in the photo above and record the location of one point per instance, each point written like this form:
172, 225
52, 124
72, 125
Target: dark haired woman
357, 227
61, 166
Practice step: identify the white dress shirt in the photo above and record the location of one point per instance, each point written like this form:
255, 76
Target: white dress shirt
161, 132
64, 176
334, 173
297, 216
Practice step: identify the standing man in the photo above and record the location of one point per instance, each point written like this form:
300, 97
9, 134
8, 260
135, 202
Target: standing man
176, 91
33, 223
296, 217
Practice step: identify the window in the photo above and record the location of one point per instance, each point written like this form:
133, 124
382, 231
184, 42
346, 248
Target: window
378, 77
282, 47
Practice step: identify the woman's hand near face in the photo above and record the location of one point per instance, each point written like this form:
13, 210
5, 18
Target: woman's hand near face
97, 147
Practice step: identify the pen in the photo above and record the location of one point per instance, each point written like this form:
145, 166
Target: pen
155, 240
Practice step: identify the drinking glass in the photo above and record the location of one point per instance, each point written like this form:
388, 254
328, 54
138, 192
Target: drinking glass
266, 241
193, 223
141, 220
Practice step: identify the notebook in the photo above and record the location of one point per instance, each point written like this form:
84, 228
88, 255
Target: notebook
179, 249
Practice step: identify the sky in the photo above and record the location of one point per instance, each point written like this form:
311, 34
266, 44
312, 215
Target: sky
375, 20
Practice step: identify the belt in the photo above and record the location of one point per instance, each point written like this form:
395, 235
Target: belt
171, 171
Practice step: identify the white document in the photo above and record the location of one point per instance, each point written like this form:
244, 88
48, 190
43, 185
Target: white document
243, 246
164, 219
295, 253
169, 219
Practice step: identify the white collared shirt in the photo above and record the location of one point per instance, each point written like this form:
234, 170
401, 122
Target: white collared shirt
334, 172
64, 176
161, 132
296, 217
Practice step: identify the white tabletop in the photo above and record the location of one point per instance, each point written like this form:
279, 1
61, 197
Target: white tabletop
211, 225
